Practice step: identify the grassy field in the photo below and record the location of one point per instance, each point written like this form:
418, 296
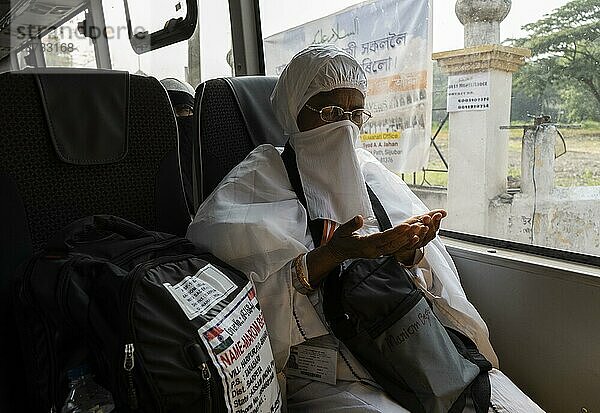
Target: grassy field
579, 166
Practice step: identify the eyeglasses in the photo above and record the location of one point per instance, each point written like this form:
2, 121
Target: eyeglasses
335, 113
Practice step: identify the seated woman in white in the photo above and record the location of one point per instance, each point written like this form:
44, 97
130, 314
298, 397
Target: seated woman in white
255, 222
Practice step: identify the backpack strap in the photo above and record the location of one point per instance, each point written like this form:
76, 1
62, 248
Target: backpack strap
480, 388
316, 226
382, 217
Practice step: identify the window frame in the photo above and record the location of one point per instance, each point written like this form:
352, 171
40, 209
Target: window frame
545, 252
246, 37
182, 30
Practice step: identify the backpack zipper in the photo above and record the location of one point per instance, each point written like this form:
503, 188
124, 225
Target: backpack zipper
128, 365
199, 358
206, 376
129, 286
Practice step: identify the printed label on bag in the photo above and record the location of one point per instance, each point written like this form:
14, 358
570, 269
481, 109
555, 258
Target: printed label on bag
199, 293
315, 359
242, 353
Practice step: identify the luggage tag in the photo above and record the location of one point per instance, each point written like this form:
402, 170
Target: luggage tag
315, 359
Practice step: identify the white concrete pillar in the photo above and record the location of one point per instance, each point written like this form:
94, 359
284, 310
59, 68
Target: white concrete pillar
537, 161
478, 148
481, 19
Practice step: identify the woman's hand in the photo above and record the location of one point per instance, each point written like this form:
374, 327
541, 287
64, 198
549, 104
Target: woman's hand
431, 221
346, 243
400, 241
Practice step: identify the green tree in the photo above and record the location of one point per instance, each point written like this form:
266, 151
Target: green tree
565, 45
536, 90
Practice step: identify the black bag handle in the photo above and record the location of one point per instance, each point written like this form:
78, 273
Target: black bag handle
316, 226
61, 243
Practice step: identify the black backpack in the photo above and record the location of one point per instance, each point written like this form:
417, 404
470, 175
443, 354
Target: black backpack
150, 313
375, 309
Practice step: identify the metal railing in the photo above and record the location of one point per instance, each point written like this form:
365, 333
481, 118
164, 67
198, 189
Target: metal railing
424, 181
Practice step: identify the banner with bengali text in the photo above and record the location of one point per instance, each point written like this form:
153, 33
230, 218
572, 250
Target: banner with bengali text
391, 39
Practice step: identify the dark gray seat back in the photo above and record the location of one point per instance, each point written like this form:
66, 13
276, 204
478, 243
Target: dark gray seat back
233, 116
73, 144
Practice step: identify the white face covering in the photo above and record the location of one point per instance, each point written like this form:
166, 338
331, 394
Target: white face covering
331, 178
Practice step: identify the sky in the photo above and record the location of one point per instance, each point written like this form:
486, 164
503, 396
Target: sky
279, 15
448, 31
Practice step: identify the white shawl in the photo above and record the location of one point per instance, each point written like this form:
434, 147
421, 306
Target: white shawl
254, 221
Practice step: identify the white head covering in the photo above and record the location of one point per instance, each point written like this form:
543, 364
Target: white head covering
329, 171
318, 68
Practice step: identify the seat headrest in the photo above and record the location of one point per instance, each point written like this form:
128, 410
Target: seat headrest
87, 113
253, 95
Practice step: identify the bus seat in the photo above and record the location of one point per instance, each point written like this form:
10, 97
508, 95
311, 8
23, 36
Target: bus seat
75, 143
233, 116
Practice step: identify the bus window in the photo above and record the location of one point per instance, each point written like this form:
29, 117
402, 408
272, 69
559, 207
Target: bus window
297, 13
203, 56
169, 61
150, 18
67, 47
539, 185
215, 40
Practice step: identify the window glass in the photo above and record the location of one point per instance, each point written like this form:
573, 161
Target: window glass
67, 47
25, 58
392, 42
543, 193
216, 53
202, 57
170, 61
297, 12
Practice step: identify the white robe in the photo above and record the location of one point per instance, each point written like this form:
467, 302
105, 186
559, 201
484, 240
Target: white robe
254, 221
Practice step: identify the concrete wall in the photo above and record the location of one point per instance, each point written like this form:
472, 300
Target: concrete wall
568, 220
434, 198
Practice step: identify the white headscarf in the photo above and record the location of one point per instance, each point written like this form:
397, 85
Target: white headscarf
331, 178
318, 68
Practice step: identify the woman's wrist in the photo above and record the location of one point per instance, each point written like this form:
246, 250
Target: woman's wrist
405, 257
300, 277
410, 258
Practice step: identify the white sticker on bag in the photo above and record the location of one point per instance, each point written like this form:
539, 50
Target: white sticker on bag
242, 353
199, 293
313, 362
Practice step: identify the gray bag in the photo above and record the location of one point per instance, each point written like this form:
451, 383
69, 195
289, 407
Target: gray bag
375, 309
